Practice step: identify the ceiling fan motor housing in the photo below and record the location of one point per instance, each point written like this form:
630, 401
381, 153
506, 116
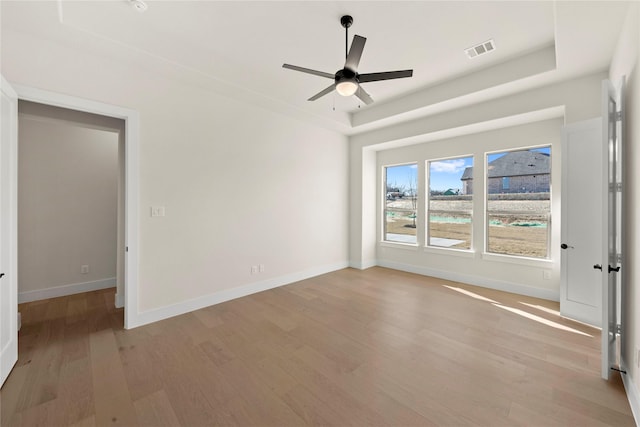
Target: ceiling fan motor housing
346, 74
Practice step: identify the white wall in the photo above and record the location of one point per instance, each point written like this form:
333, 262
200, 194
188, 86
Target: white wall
241, 185
67, 206
513, 274
625, 63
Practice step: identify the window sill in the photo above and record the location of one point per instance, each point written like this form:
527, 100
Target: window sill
399, 245
464, 253
512, 259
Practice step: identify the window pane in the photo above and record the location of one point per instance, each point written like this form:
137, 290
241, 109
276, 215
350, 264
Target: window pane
401, 206
450, 203
518, 202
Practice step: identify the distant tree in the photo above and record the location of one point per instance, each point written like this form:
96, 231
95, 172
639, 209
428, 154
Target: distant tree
412, 191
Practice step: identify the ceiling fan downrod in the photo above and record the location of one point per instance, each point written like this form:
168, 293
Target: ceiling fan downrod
346, 22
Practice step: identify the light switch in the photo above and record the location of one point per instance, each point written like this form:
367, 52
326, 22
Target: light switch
157, 211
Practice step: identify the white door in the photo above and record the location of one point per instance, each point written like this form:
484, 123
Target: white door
8, 230
612, 153
583, 188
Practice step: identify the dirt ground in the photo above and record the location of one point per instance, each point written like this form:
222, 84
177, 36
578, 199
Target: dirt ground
505, 239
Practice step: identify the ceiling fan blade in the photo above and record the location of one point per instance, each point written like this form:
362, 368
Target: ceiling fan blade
363, 95
355, 52
388, 75
322, 93
309, 71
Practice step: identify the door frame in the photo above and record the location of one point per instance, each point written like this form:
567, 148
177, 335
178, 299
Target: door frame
8, 223
131, 178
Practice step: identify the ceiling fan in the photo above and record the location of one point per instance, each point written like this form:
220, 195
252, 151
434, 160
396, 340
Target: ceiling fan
347, 80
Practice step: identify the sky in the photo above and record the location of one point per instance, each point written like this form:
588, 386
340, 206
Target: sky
443, 174
403, 176
446, 174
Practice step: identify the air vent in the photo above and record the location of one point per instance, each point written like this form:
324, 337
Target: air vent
480, 49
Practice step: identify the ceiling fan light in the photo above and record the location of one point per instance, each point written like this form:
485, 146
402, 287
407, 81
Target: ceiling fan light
347, 87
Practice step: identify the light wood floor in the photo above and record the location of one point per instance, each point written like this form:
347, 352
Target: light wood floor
374, 347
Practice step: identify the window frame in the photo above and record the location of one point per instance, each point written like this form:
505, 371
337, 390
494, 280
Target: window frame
486, 254
384, 233
427, 228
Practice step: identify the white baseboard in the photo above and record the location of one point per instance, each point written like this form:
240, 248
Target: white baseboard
155, 315
118, 300
363, 265
484, 282
632, 394
60, 291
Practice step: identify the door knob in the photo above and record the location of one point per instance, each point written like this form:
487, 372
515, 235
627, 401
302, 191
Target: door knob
565, 246
597, 267
1, 275
616, 269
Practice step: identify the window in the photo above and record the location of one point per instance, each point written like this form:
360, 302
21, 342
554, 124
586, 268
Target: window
518, 202
449, 211
401, 204
505, 182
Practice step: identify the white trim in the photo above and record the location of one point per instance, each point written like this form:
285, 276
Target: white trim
464, 253
500, 285
9, 204
364, 264
632, 395
132, 144
514, 259
118, 300
399, 245
64, 290
177, 309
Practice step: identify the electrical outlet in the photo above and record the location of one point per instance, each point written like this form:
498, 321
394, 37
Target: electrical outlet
261, 268
254, 269
84, 269
157, 211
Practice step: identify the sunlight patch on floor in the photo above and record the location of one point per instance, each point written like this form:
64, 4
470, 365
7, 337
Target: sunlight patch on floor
542, 320
541, 308
471, 294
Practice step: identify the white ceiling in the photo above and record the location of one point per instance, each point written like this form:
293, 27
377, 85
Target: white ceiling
238, 47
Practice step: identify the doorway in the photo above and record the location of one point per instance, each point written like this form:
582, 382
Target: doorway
70, 202
127, 293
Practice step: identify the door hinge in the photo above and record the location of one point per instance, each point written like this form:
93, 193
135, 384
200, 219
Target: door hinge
619, 329
616, 116
618, 258
615, 187
126, 248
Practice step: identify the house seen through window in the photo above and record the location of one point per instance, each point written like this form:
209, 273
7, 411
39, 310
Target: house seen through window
518, 202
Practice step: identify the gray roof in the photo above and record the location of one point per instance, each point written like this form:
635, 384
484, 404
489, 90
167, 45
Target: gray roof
516, 163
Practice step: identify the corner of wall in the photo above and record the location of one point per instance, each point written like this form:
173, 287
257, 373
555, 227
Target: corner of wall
118, 300
364, 264
632, 394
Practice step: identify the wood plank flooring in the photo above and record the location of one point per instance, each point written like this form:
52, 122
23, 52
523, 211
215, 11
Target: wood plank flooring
373, 347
